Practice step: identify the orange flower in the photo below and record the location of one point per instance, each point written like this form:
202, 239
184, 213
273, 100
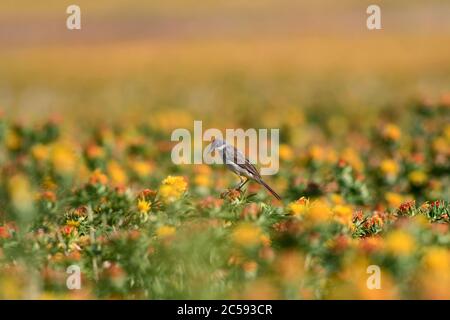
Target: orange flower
94, 151
40, 152
97, 177
391, 132
286, 152
48, 195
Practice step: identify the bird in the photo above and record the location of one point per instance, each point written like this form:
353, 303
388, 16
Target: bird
239, 164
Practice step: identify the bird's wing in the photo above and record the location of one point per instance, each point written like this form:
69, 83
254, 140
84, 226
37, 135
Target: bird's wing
239, 159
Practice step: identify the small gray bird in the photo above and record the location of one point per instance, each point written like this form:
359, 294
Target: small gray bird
239, 164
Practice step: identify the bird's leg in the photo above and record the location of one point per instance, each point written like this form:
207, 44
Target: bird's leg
239, 185
243, 184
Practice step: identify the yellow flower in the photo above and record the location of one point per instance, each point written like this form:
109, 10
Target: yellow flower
143, 206
117, 174
418, 177
73, 223
343, 214
441, 145
286, 152
63, 159
40, 152
350, 156
48, 183
13, 141
437, 259
299, 207
20, 192
172, 188
247, 234
337, 199
165, 231
389, 167
142, 168
394, 199
316, 153
399, 242
319, 212
391, 132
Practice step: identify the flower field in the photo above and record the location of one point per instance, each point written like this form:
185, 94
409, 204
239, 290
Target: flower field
107, 206
87, 181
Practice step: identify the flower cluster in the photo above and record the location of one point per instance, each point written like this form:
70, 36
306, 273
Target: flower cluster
112, 203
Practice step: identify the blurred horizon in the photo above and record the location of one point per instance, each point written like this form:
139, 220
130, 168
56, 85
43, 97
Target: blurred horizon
190, 55
107, 21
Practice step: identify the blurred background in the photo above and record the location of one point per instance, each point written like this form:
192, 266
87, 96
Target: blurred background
133, 59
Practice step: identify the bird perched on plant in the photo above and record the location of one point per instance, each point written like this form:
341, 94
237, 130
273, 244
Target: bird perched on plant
239, 164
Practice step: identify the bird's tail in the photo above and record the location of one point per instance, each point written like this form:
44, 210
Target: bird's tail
270, 189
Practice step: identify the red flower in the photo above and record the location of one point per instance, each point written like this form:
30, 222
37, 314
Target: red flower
418, 158
340, 243
4, 233
81, 211
67, 230
134, 234
405, 207
210, 203
369, 223
436, 204
250, 210
357, 216
147, 193
342, 163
